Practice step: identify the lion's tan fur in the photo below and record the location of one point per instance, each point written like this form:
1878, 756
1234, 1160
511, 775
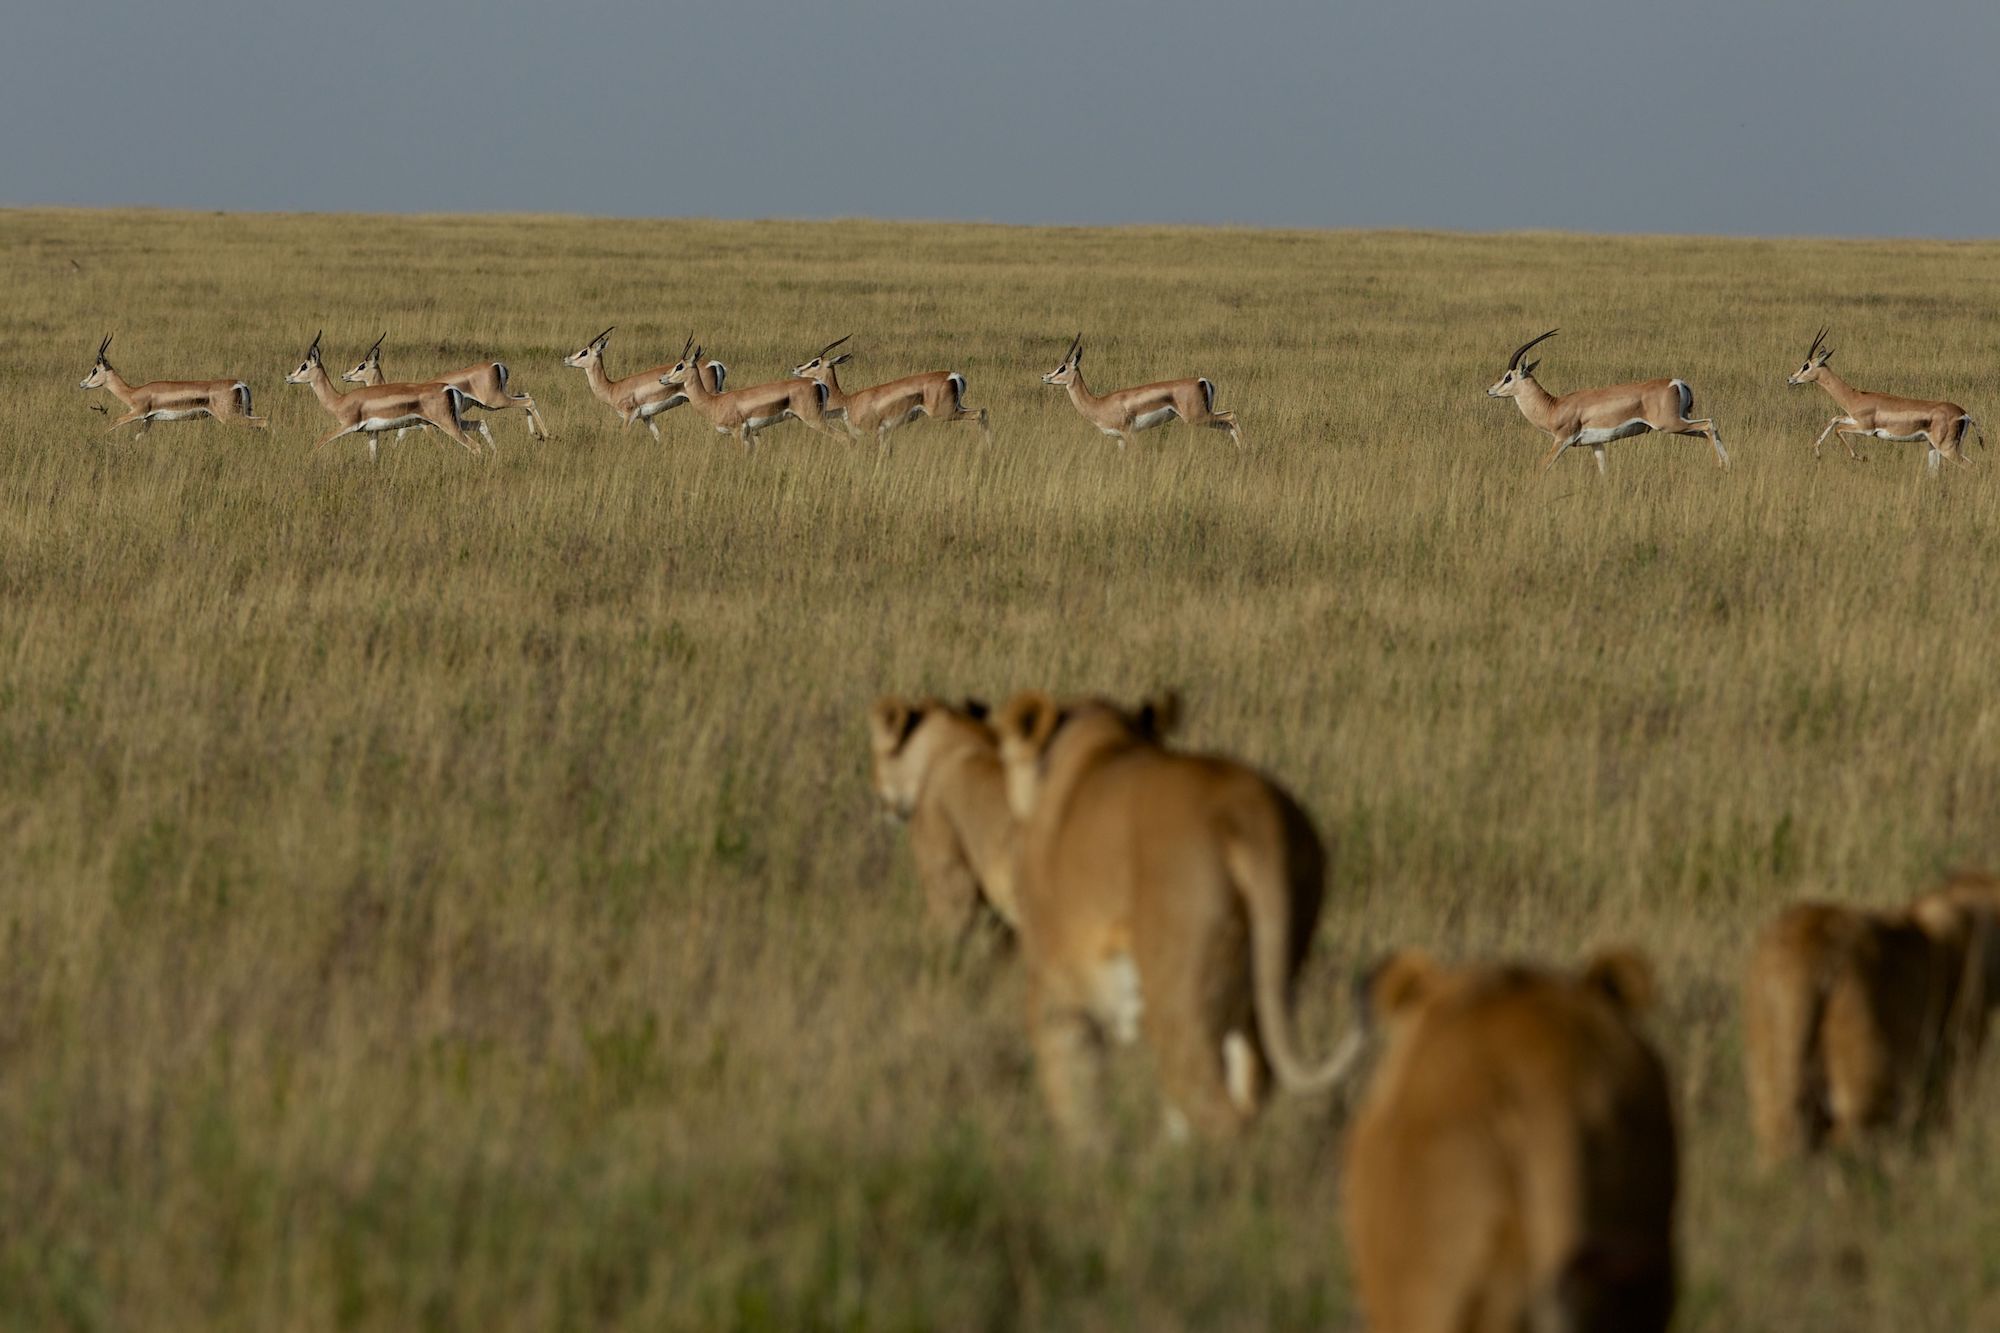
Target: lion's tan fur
1513, 1162
1160, 892
938, 766
1858, 1020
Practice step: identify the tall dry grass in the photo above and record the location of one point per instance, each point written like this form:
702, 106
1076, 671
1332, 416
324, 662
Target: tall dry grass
444, 894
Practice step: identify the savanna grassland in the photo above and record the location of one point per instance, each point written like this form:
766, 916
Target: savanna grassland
446, 894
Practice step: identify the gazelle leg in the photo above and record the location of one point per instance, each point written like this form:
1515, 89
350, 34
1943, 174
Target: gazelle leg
1705, 428
333, 435
1224, 421
484, 434
373, 446
1563, 444
458, 436
1833, 427
1597, 452
746, 437
654, 427
535, 427
126, 420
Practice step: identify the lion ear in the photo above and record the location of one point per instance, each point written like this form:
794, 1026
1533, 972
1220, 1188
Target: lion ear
1395, 986
1030, 718
1622, 976
976, 709
1160, 716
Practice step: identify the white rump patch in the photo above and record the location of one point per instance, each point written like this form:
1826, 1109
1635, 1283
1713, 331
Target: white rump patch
1687, 398
1239, 1071
1207, 394
1119, 1002
1147, 420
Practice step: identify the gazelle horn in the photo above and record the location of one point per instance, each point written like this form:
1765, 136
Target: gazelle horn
1522, 350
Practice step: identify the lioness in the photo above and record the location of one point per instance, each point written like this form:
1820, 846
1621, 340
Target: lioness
938, 766
1513, 1160
1853, 1018
1170, 893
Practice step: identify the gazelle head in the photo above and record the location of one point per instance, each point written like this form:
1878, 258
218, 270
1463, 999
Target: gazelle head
683, 369
368, 365
1065, 372
820, 367
1816, 356
99, 368
590, 351
304, 374
1517, 374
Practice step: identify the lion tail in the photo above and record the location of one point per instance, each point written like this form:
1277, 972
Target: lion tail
1266, 887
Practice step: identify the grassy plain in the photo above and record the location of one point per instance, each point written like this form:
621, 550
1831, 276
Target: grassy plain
445, 894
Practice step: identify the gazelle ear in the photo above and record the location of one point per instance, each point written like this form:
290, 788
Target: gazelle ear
842, 359
1528, 371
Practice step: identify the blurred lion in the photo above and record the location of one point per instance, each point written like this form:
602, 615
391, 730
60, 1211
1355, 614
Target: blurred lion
937, 765
1167, 893
1859, 1020
1513, 1163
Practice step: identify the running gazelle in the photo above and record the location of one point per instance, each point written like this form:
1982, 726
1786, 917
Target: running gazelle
1884, 416
938, 394
1595, 417
170, 400
640, 396
385, 406
484, 382
1123, 413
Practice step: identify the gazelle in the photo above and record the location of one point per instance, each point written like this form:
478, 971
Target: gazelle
1595, 417
170, 400
385, 406
1884, 416
639, 397
1123, 413
483, 383
939, 394
744, 412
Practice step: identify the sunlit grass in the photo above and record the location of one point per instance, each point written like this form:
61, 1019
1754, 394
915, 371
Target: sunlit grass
445, 893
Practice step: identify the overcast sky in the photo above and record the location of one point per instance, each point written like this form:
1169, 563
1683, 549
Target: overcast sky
1835, 117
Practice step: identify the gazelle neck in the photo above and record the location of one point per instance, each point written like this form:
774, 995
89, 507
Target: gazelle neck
322, 387
836, 397
1838, 389
1537, 404
117, 385
695, 386
1080, 395
600, 383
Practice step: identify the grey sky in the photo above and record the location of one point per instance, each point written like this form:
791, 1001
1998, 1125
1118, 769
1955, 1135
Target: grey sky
1844, 117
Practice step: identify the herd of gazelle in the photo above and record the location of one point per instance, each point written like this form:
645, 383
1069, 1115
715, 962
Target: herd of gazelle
814, 396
